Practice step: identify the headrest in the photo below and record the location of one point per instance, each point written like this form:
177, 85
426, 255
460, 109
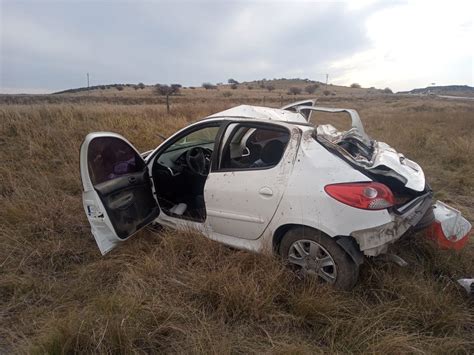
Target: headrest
272, 151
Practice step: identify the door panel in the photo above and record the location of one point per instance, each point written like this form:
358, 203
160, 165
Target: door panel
118, 197
241, 201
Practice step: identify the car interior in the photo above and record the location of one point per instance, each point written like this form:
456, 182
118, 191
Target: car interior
180, 171
249, 147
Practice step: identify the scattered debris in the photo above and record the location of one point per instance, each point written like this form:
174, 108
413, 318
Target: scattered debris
468, 285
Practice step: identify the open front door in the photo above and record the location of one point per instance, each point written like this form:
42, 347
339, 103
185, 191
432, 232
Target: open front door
118, 196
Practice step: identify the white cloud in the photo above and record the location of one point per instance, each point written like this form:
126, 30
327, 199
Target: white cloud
414, 44
22, 32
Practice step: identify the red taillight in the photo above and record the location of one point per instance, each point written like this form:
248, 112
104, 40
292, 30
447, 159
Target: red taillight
365, 195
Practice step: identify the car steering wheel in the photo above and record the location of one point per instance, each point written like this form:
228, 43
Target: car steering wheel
197, 161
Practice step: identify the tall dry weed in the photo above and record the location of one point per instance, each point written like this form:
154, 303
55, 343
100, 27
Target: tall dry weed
179, 292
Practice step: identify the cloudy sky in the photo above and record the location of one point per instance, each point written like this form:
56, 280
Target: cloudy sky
50, 45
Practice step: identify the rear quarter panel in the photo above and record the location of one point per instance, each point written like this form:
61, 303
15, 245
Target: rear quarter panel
306, 203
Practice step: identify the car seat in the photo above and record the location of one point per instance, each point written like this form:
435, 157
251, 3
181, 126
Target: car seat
271, 152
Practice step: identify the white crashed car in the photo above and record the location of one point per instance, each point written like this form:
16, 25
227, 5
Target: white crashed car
265, 180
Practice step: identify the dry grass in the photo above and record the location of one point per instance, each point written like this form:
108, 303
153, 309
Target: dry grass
178, 292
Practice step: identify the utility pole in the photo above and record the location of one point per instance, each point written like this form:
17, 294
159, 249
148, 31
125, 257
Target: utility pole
87, 82
327, 77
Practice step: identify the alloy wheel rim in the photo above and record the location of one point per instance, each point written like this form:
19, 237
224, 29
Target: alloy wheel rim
313, 259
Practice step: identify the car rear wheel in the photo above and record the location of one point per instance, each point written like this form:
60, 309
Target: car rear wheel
313, 254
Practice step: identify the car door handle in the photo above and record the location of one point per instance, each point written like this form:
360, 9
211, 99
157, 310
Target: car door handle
265, 191
132, 179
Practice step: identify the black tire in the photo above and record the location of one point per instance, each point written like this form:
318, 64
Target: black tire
347, 271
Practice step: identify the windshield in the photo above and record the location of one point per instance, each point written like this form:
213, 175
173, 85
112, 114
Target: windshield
203, 136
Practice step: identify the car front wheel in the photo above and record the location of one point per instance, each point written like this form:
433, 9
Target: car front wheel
313, 254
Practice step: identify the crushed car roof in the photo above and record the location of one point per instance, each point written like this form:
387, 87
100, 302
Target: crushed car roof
262, 113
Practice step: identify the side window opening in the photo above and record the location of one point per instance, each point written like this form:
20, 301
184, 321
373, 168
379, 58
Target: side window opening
254, 147
109, 158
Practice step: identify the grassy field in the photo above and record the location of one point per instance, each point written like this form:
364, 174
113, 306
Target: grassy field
178, 292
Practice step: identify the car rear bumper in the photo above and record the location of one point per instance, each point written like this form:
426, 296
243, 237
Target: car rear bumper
375, 241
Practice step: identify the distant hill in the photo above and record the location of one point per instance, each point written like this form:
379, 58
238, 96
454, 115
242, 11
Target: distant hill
281, 86
119, 87
454, 90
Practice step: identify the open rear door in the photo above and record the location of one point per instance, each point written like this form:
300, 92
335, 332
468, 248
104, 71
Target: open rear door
118, 196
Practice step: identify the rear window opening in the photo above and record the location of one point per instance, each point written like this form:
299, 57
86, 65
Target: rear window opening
348, 143
339, 120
